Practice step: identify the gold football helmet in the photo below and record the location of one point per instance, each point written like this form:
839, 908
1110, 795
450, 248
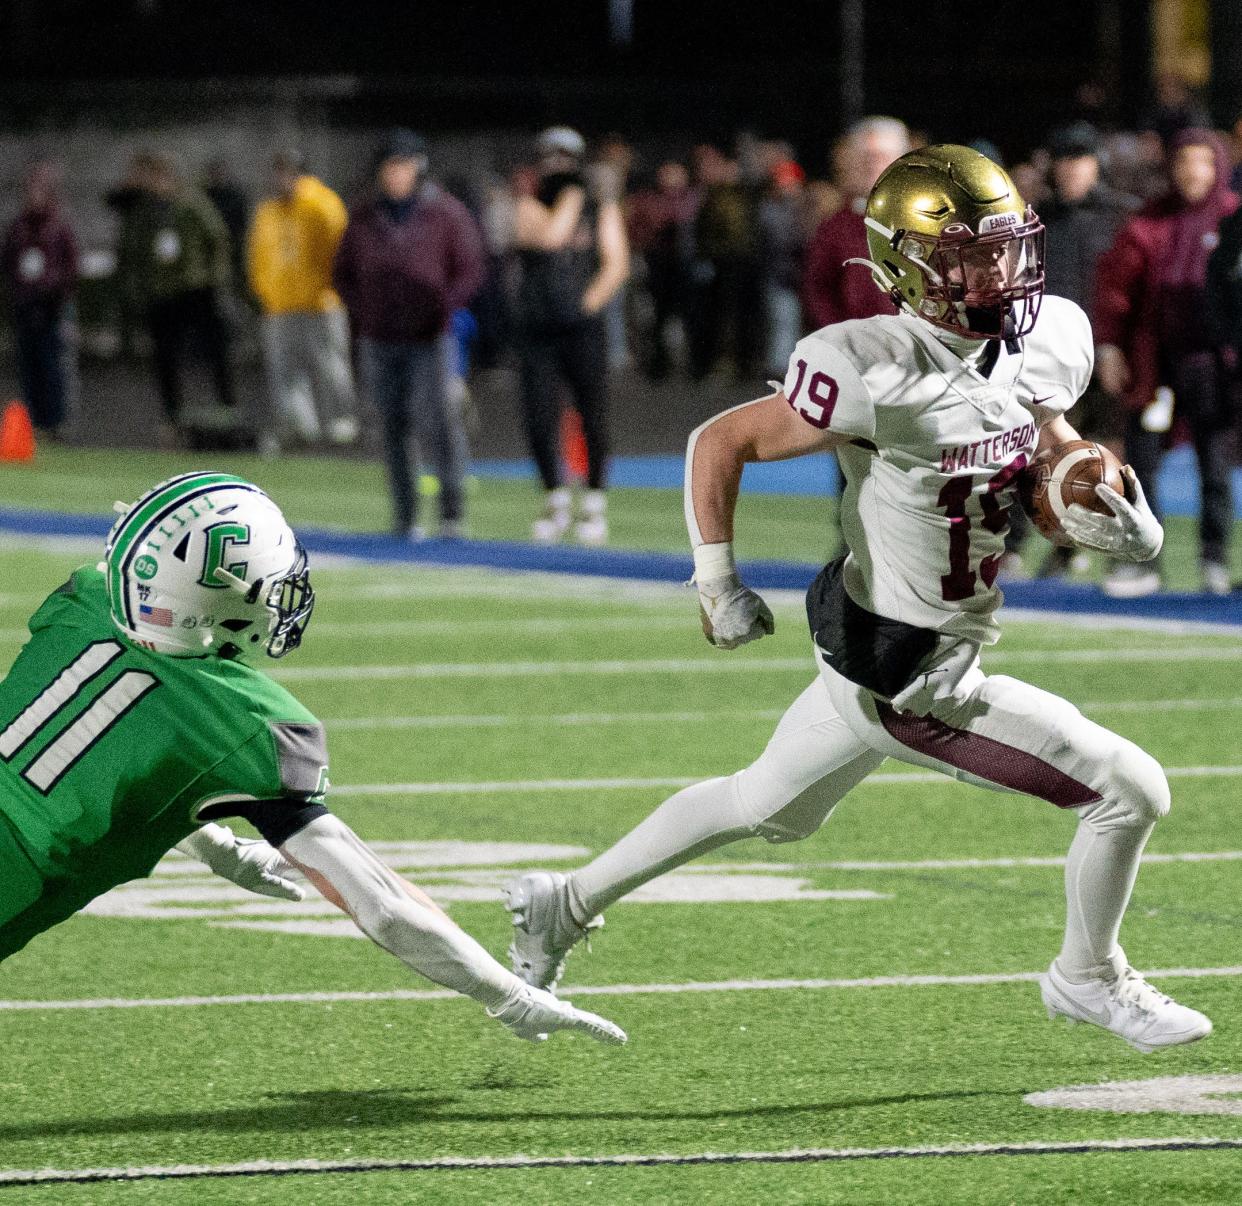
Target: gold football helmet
951, 240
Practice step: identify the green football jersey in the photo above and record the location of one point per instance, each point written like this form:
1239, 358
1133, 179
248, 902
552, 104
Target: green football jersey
108, 753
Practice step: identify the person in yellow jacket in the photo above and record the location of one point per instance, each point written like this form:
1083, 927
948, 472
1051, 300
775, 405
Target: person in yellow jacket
293, 240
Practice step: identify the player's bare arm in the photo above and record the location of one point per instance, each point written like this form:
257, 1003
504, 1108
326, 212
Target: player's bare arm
1055, 431
541, 227
765, 430
614, 259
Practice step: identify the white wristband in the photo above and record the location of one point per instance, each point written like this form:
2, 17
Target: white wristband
714, 561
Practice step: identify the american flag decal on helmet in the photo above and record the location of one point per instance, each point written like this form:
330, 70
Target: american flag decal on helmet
161, 617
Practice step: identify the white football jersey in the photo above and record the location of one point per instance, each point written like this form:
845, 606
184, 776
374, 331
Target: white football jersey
935, 449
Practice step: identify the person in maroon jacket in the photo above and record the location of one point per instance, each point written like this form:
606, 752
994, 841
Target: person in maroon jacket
831, 290
39, 263
410, 256
1157, 349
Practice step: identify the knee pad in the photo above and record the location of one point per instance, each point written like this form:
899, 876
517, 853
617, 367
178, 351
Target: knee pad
1136, 792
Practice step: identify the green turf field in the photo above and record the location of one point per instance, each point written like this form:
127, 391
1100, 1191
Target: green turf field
488, 679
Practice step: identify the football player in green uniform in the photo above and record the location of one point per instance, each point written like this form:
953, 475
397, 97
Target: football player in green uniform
133, 718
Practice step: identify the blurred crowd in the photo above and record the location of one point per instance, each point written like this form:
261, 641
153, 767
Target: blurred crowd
587, 259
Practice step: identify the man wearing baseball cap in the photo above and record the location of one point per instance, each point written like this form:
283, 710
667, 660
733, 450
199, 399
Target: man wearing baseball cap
410, 256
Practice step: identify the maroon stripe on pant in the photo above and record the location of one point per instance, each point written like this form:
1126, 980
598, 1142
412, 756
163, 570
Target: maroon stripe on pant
985, 758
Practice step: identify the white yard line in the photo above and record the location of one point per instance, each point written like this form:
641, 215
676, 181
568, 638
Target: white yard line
723, 665
502, 720
501, 669
506, 785
948, 864
793, 1155
1116, 623
481, 787
539, 626
590, 990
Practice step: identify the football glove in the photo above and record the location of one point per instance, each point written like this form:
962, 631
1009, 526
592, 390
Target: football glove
1131, 532
731, 613
938, 683
251, 864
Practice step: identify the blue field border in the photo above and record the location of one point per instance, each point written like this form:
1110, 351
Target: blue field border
1051, 596
817, 477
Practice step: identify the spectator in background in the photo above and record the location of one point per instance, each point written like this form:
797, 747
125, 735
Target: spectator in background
125, 201
661, 228
178, 262
1224, 281
305, 332
411, 255
39, 263
1082, 216
574, 258
1157, 347
782, 244
833, 291
1235, 154
1174, 107
726, 310
222, 189
609, 177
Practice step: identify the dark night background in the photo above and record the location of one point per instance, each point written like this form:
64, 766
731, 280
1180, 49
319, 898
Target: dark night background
1008, 69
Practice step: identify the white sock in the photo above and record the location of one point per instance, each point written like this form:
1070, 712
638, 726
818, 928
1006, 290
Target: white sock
1099, 877
810, 763
593, 504
697, 819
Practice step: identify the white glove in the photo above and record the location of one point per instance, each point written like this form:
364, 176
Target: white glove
1131, 532
731, 613
533, 1014
937, 683
251, 864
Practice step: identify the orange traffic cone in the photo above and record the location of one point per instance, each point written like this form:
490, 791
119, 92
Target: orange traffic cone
17, 439
573, 445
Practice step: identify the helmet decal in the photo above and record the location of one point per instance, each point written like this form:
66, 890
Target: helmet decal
220, 538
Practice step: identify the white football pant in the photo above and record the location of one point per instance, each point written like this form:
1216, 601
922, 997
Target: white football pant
993, 731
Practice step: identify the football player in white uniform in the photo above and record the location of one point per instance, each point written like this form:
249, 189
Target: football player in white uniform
933, 412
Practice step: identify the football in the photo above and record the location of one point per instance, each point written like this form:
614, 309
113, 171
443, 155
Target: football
1064, 474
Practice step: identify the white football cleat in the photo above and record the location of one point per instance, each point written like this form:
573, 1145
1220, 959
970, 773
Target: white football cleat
591, 528
553, 522
532, 1014
1128, 1006
544, 928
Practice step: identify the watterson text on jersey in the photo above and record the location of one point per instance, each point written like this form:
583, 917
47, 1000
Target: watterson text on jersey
986, 452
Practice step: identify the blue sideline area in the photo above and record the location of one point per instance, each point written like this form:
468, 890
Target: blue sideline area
1074, 598
816, 476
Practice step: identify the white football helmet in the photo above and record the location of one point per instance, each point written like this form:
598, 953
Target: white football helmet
206, 562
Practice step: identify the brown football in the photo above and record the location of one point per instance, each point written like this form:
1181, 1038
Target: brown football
1065, 474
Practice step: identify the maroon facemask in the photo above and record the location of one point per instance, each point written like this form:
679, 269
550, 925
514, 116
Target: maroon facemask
991, 283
